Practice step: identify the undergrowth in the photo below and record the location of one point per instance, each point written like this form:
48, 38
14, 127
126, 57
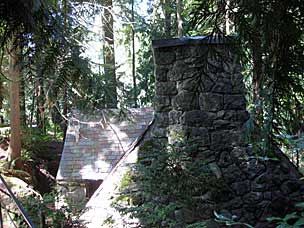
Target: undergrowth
164, 188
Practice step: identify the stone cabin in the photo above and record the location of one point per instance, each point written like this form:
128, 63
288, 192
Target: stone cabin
94, 144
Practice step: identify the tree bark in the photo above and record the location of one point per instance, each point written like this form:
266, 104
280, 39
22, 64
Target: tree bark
227, 19
133, 58
167, 12
14, 98
40, 105
179, 18
65, 111
109, 55
257, 80
23, 106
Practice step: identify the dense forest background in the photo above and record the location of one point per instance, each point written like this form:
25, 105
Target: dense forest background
60, 55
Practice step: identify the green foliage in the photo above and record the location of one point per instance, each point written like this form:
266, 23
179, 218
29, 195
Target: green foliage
292, 220
198, 225
41, 211
167, 179
34, 145
294, 147
270, 35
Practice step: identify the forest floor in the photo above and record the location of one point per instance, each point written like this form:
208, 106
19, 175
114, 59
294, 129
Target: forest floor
42, 169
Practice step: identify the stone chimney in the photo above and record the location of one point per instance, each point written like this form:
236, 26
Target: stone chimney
200, 95
199, 92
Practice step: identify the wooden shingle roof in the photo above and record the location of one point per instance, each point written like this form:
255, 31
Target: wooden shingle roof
95, 143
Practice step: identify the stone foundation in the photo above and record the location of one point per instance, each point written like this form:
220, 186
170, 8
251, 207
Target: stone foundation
200, 95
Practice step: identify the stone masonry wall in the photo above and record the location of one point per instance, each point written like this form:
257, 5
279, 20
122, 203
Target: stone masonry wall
200, 95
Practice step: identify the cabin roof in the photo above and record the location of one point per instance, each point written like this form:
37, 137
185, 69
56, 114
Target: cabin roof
94, 143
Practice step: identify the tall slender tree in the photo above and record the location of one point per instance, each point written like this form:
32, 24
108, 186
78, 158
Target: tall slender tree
133, 54
14, 99
179, 18
168, 17
109, 54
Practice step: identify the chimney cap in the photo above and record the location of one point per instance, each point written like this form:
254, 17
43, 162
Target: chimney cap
194, 40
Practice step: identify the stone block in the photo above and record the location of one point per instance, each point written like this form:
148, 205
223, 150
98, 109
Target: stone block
198, 118
236, 126
206, 211
164, 56
259, 187
234, 102
162, 103
253, 168
183, 53
224, 159
284, 167
162, 119
185, 101
194, 61
230, 115
241, 188
177, 71
224, 138
221, 124
265, 178
237, 83
161, 73
214, 65
239, 155
232, 174
200, 51
185, 215
253, 198
191, 73
223, 86
189, 84
231, 67
175, 117
201, 134
267, 196
206, 83
235, 203
206, 154
159, 133
165, 88
290, 186
211, 102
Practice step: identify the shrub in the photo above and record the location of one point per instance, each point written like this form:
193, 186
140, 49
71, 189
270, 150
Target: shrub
166, 182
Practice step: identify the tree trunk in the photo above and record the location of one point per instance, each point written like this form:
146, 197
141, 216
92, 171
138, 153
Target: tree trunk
167, 12
133, 58
23, 106
256, 91
179, 18
109, 55
257, 77
40, 106
32, 111
14, 98
257, 80
227, 19
65, 112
